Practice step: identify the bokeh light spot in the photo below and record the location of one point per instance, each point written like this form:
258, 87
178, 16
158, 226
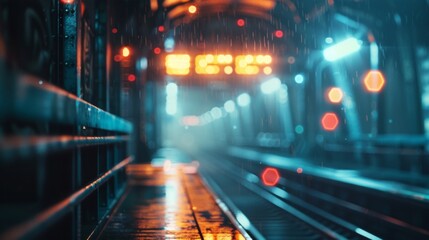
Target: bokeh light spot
335, 95
270, 176
125, 52
228, 70
131, 77
267, 70
329, 121
192, 9
157, 50
374, 81
241, 22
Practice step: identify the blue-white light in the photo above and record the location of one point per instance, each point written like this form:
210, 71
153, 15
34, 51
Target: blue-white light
171, 107
270, 86
171, 89
229, 106
216, 113
366, 234
283, 95
329, 40
169, 44
243, 100
142, 64
243, 220
341, 49
299, 78
171, 99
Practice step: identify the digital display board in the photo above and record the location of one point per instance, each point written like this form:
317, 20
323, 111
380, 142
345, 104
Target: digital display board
212, 64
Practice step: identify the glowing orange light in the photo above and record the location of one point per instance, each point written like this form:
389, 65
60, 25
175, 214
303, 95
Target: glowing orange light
192, 9
228, 70
268, 59
126, 52
329, 121
157, 50
211, 64
177, 64
114, 30
249, 64
131, 77
374, 81
299, 170
241, 22
161, 29
278, 34
267, 70
67, 1
270, 176
335, 95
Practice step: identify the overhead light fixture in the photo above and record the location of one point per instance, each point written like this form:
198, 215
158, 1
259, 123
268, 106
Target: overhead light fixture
229, 106
243, 99
342, 49
271, 86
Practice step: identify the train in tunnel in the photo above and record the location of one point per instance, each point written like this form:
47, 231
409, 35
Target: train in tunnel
296, 119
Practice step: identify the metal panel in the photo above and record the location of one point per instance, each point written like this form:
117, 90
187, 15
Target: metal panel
35, 100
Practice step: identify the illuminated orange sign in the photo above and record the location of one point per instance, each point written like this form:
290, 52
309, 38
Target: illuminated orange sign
177, 64
374, 81
249, 64
210, 64
335, 95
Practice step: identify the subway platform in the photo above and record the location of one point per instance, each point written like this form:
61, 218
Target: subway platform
169, 202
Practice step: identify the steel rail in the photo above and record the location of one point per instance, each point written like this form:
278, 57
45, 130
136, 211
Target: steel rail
49, 216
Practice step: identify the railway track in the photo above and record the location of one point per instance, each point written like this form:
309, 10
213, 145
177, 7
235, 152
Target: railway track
295, 201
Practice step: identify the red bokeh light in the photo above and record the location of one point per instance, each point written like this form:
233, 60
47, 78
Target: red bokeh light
329, 121
157, 50
66, 1
114, 30
161, 29
131, 78
117, 58
299, 170
270, 176
278, 33
241, 22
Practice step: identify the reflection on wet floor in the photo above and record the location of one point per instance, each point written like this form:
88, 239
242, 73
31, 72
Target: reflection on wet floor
166, 203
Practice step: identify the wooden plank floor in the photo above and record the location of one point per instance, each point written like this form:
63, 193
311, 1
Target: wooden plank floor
167, 202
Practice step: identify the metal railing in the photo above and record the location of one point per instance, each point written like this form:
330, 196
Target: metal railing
62, 161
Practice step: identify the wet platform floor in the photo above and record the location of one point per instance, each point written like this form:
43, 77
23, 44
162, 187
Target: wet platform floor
169, 202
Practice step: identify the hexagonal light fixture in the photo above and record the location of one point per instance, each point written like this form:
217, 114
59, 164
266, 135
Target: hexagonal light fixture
329, 121
374, 81
335, 95
270, 176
